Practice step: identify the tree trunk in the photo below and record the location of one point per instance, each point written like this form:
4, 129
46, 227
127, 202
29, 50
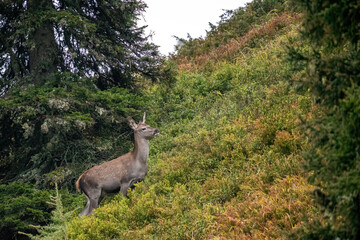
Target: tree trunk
43, 53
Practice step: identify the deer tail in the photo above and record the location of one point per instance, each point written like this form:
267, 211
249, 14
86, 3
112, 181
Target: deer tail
78, 187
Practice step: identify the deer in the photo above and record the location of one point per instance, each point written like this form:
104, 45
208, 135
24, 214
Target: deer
120, 173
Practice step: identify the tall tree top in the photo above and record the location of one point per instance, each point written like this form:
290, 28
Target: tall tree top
90, 37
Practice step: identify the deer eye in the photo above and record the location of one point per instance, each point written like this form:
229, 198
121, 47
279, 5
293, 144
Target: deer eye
143, 129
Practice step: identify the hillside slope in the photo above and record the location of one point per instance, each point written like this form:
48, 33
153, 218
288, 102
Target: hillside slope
227, 164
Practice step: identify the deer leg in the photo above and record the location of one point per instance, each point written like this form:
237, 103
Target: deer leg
124, 188
94, 199
85, 211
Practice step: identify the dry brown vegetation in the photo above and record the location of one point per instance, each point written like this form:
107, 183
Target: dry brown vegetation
232, 50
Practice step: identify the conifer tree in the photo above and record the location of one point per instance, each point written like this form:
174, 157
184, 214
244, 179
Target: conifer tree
92, 38
332, 28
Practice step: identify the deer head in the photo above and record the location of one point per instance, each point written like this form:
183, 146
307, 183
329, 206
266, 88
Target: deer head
143, 130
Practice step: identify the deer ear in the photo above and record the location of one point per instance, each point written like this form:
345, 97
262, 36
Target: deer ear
143, 120
132, 123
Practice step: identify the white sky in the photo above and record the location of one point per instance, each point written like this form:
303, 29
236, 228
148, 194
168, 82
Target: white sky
168, 18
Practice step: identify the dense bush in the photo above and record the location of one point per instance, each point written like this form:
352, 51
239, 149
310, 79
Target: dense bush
21, 205
333, 78
25, 207
54, 131
57, 229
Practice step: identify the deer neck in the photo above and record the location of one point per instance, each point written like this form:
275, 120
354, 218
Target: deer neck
141, 149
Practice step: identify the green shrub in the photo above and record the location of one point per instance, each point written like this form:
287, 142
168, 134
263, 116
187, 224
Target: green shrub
22, 205
56, 230
331, 64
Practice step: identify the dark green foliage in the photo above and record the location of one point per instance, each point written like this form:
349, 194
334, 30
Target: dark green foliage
21, 205
91, 38
331, 23
57, 229
333, 76
66, 122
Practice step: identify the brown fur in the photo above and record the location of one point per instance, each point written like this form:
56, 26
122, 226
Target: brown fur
78, 187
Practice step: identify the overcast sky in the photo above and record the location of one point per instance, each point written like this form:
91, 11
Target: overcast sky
168, 18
